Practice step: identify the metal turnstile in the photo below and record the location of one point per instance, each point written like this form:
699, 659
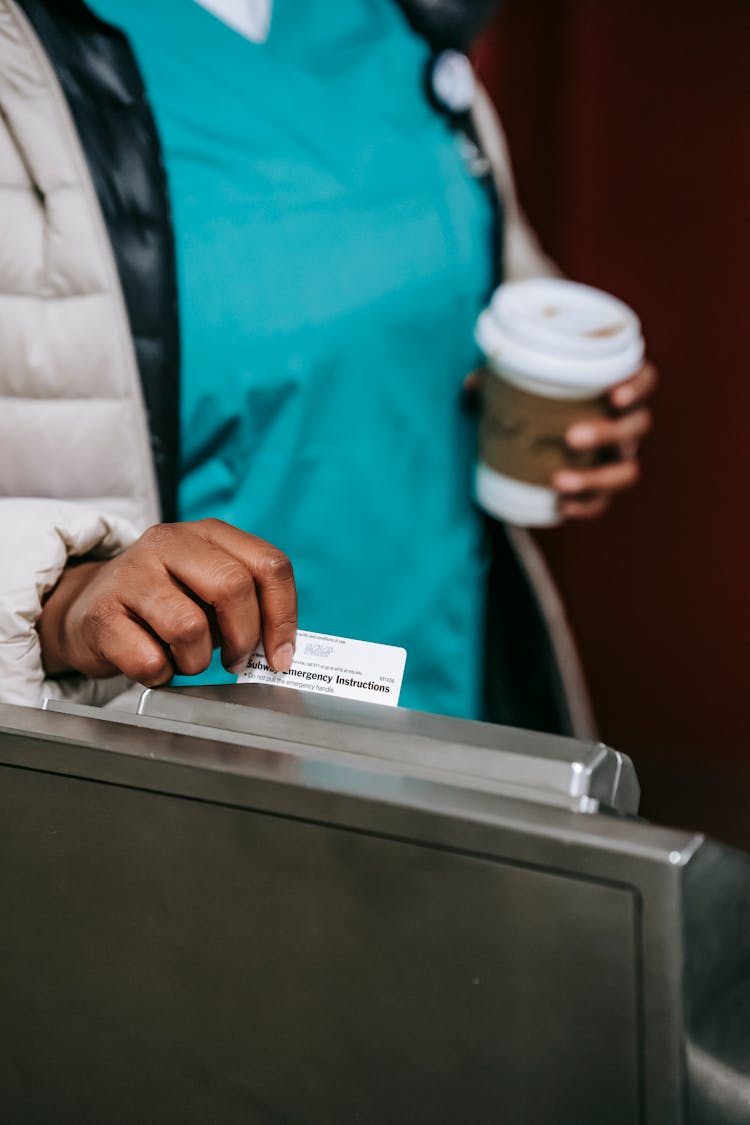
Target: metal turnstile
255, 905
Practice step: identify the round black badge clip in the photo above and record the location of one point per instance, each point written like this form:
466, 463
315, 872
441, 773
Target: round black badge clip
451, 88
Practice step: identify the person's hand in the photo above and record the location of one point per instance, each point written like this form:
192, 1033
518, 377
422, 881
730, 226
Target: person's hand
585, 493
163, 604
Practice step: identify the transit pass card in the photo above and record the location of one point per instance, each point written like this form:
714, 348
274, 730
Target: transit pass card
335, 666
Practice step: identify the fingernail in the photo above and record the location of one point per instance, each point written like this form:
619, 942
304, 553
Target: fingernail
239, 666
623, 396
568, 482
581, 435
283, 657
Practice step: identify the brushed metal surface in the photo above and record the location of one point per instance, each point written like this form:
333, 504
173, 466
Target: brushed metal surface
202, 963
548, 768
201, 930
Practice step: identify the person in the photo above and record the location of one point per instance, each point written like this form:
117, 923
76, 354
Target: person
245, 248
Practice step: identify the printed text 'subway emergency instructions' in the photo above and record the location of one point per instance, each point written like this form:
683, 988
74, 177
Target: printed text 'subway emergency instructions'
335, 666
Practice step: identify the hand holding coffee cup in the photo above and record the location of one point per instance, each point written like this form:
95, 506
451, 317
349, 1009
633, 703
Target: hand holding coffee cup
613, 443
554, 350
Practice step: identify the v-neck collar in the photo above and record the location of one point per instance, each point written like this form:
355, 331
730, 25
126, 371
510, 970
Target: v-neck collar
250, 18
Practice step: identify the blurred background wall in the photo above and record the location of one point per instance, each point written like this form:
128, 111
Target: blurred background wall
629, 123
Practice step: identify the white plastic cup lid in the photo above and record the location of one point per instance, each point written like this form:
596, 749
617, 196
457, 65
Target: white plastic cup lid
555, 336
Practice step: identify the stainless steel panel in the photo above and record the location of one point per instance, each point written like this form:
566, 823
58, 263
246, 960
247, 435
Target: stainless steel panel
209, 964
716, 936
232, 932
547, 768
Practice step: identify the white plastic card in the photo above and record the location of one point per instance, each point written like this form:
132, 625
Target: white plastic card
335, 666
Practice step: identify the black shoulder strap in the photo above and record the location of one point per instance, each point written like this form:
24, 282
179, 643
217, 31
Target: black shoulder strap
99, 76
523, 685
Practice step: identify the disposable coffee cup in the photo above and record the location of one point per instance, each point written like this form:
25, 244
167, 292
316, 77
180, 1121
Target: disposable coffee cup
553, 349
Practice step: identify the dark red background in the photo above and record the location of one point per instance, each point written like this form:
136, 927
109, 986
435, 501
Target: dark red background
629, 122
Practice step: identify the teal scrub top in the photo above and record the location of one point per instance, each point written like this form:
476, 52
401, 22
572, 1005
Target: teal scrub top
333, 253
